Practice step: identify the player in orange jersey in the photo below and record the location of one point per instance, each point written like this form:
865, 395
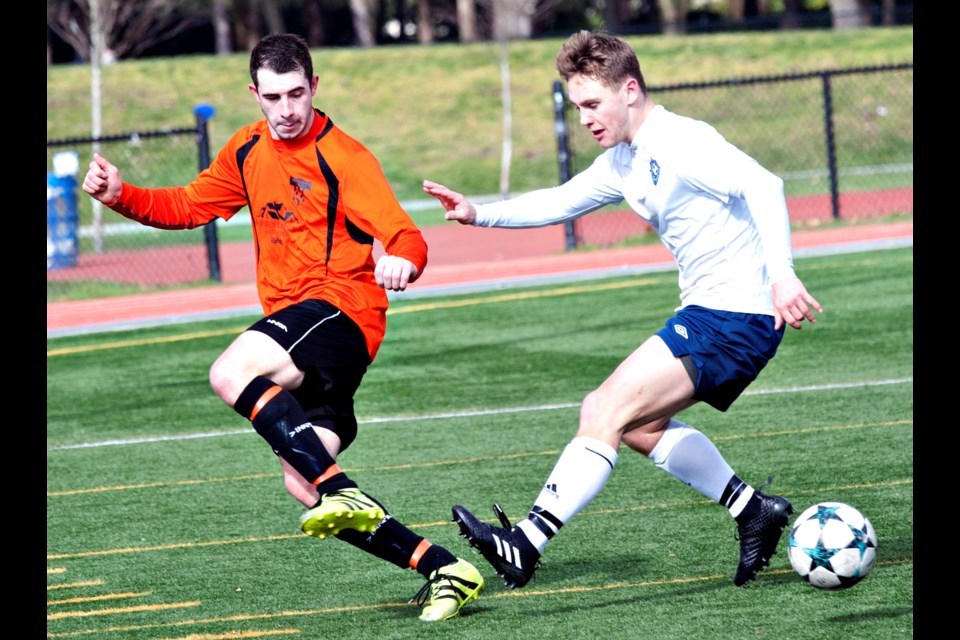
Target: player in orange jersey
317, 200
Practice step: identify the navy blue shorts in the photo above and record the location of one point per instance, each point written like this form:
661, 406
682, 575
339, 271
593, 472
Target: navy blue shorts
331, 351
728, 349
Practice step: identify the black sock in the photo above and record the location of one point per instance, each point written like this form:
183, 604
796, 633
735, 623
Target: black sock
395, 543
279, 419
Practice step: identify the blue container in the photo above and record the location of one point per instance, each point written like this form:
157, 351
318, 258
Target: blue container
62, 221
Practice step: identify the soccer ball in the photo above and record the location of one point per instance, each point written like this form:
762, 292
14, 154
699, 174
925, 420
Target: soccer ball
832, 545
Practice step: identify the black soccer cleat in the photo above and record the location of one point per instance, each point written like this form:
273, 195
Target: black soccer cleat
759, 533
506, 548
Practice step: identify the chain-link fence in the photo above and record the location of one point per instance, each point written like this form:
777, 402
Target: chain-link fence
91, 251
842, 140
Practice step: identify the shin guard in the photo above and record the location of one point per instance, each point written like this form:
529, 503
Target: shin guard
280, 420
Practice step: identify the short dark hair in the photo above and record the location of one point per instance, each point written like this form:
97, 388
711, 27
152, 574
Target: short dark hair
281, 53
601, 56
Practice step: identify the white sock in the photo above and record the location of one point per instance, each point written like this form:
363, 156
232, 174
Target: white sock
576, 479
690, 457
737, 507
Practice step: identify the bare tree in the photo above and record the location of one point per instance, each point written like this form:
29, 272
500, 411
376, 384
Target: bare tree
315, 26
506, 98
127, 28
848, 14
96, 109
673, 15
513, 19
363, 22
467, 20
889, 12
791, 14
424, 22
223, 43
741, 10
615, 13
272, 15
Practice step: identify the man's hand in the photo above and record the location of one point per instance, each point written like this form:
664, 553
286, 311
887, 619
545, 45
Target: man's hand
456, 206
395, 273
791, 303
102, 181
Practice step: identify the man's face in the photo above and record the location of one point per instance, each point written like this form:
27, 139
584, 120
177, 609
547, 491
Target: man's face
602, 110
286, 99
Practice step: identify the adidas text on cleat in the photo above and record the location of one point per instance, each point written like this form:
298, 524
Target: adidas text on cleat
507, 548
447, 590
339, 510
759, 533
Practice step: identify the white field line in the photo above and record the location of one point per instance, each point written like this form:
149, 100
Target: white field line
467, 414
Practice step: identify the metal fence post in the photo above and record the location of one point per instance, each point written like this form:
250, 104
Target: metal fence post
831, 145
204, 112
563, 152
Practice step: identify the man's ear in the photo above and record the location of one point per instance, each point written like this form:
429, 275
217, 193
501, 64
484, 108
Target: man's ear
632, 87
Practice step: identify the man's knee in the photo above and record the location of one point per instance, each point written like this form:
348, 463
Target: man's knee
220, 382
598, 416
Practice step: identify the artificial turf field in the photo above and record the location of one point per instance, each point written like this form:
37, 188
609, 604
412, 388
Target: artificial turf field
167, 517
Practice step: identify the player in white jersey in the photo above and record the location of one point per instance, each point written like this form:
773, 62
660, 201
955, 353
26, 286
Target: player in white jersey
724, 219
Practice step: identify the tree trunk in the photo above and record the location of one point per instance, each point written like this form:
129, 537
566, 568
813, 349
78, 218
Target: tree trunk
791, 14
97, 40
252, 25
889, 12
612, 16
847, 14
424, 22
314, 18
223, 43
467, 20
506, 149
513, 19
362, 22
736, 10
673, 16
272, 16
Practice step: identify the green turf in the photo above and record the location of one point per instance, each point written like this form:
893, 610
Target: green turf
470, 401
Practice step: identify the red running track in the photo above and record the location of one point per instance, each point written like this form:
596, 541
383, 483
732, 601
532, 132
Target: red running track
460, 257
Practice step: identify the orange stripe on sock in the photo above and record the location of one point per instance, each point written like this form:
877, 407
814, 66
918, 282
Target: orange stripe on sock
331, 471
264, 399
418, 553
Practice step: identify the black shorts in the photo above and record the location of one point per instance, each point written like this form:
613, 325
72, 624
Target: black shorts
330, 349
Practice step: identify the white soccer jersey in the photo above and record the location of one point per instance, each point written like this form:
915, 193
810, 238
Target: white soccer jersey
721, 214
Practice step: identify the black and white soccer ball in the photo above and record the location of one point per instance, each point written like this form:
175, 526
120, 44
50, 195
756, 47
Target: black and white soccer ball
832, 545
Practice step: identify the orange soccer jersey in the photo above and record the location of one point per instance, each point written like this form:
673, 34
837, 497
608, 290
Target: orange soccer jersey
316, 205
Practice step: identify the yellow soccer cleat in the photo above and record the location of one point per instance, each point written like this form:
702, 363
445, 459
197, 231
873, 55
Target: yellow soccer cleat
448, 589
339, 510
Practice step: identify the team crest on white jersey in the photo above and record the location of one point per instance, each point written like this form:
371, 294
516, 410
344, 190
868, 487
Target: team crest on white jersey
654, 171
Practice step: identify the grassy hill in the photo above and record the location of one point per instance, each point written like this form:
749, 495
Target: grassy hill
435, 110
